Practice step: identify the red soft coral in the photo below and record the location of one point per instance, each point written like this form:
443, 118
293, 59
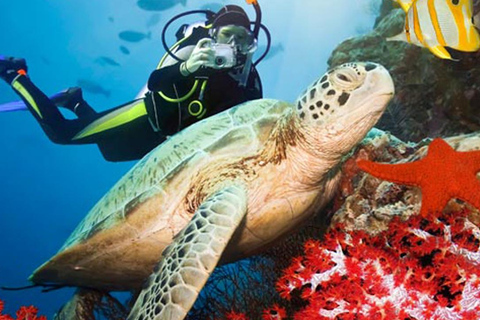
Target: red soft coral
274, 313
23, 313
232, 315
417, 269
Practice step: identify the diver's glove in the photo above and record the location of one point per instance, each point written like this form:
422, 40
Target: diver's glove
202, 56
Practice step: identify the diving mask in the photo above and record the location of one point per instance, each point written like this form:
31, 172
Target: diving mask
237, 36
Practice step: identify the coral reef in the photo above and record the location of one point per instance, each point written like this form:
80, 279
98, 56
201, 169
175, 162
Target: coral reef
434, 97
437, 189
23, 313
379, 258
234, 288
433, 261
374, 202
416, 269
274, 313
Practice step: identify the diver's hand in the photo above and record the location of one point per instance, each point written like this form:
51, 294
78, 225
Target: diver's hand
202, 56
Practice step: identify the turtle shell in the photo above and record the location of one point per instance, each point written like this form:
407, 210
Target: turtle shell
122, 237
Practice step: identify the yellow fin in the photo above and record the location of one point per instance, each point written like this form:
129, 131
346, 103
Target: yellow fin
440, 52
405, 4
472, 44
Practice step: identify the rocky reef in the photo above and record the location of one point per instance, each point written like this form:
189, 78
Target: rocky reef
367, 203
434, 97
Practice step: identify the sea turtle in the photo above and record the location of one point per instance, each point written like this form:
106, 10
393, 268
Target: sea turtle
222, 189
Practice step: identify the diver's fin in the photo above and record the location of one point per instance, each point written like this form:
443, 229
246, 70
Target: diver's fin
13, 106
405, 4
67, 98
441, 52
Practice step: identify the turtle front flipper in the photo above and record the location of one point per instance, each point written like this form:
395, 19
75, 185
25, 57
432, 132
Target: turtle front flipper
188, 261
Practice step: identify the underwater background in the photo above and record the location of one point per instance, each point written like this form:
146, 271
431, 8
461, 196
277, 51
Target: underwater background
46, 189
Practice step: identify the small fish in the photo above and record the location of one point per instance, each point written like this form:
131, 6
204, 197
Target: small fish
124, 50
436, 24
154, 20
103, 61
134, 36
92, 87
158, 5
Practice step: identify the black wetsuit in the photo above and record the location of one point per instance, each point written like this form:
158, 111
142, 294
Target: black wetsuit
130, 131
221, 92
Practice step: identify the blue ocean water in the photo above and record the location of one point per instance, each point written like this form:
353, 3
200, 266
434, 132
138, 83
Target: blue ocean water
46, 189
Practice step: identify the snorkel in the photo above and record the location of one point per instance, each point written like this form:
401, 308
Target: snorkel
258, 19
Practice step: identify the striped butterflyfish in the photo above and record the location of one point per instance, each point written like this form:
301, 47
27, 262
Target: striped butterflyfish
436, 24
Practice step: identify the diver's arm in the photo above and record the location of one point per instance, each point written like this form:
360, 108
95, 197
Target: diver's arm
161, 78
202, 56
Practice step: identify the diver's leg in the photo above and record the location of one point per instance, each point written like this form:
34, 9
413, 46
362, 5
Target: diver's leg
57, 128
14, 72
103, 127
72, 99
126, 126
43, 109
122, 134
12, 69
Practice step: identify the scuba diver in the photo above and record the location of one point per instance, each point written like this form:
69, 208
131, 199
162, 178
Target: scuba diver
207, 71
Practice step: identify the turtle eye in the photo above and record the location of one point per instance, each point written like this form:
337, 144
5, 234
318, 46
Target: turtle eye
346, 78
343, 77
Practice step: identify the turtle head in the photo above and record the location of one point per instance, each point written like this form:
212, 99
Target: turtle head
339, 109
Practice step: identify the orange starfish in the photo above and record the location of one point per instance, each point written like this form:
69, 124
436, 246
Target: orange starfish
442, 174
